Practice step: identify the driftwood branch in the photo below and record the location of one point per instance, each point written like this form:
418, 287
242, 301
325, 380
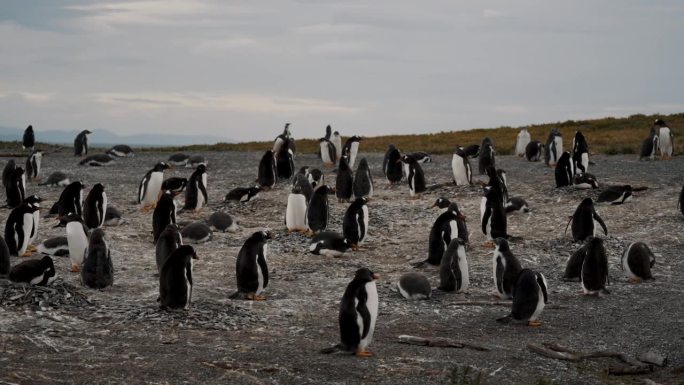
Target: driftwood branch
559, 352
440, 342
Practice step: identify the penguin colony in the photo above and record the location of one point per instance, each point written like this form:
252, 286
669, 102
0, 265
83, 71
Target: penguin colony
307, 211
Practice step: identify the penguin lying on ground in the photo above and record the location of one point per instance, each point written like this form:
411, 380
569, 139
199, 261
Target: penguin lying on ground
196, 232
251, 267
616, 195
196, 160
242, 194
56, 179
414, 286
330, 244
97, 160
516, 205
56, 246
637, 262
121, 150
39, 272
178, 159
530, 295
113, 216
585, 181
421, 157
222, 221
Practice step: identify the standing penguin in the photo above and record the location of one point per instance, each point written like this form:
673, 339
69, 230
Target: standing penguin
304, 184
554, 148
453, 270
506, 268
34, 201
281, 139
164, 214
580, 153
77, 238
414, 177
328, 152
267, 176
33, 165
487, 155
318, 211
594, 268
175, 279
351, 149
196, 193
443, 231
584, 221
7, 172
337, 142
16, 188
4, 258
39, 272
649, 146
355, 222
497, 181
534, 151
29, 139
81, 143
521, 142
344, 184
70, 201
18, 229
363, 181
565, 171
251, 267
98, 269
150, 186
295, 213
392, 165
460, 167
637, 262
573, 266
169, 240
530, 295
358, 314
665, 139
285, 161
95, 207
493, 215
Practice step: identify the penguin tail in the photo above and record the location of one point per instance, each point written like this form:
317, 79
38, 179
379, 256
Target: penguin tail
234, 295
331, 349
505, 320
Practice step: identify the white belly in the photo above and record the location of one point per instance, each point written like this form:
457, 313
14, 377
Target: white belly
540, 305
337, 141
78, 242
27, 227
463, 266
559, 148
188, 287
101, 217
352, 153
459, 171
295, 217
362, 236
36, 222
372, 305
665, 142
521, 144
585, 161
325, 154
153, 188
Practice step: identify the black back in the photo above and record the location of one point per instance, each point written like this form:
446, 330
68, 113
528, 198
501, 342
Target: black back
345, 180
29, 140
93, 207
363, 181
97, 271
304, 185
415, 175
450, 277
15, 189
533, 151
353, 224
70, 199
164, 214
583, 220
573, 268
507, 276
174, 184
14, 227
495, 211
174, 278
564, 171
595, 266
526, 294
393, 169
169, 240
267, 170
318, 211
350, 310
640, 259
4, 258
486, 156
7, 172
251, 254
26, 271
440, 236
81, 143
195, 187
285, 161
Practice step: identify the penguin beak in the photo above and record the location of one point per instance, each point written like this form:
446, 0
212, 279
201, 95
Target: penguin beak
270, 235
376, 276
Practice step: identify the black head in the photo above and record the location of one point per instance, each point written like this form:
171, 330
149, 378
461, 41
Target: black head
201, 168
587, 202
185, 251
336, 133
361, 201
594, 243
453, 208
70, 217
356, 138
29, 128
407, 159
33, 200
77, 185
98, 187
87, 132
442, 203
263, 236
253, 191
46, 262
18, 172
171, 227
487, 141
491, 171
391, 147
502, 244
161, 166
363, 164
365, 275
97, 236
659, 123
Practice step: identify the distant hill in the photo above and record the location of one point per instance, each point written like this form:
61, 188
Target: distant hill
108, 138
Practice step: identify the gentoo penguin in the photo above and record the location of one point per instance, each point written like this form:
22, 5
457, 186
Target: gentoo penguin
344, 184
493, 215
355, 222
121, 150
521, 142
95, 207
196, 194
29, 139
70, 201
516, 205
637, 262
414, 286
56, 246
530, 295
328, 152
81, 143
306, 173
169, 240
4, 258
164, 214
453, 269
18, 229
594, 268
77, 238
306, 187
329, 244
442, 204
267, 175
681, 201
112, 216
56, 179
34, 201
285, 162
583, 221
665, 139
174, 184
97, 160
319, 211
16, 188
580, 153
7, 172
196, 233
443, 231
358, 314
554, 147
487, 156
534, 151
98, 270
337, 142
178, 159
351, 149
496, 182
414, 177
460, 167
39, 272
281, 139
472, 151
295, 213
195, 160
616, 195
251, 267
175, 279
328, 132
150, 186
585, 181
565, 171
573, 266
421, 157
363, 181
649, 146
221, 221
317, 177
392, 165
505, 268
33, 164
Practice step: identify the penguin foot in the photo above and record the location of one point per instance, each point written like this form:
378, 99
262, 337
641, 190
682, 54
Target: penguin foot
635, 280
74, 269
534, 323
31, 248
27, 253
363, 353
254, 297
488, 245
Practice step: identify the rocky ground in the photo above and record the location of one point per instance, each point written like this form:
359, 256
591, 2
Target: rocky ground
70, 334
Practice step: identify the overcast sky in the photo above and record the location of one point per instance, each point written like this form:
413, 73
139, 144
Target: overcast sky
241, 69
